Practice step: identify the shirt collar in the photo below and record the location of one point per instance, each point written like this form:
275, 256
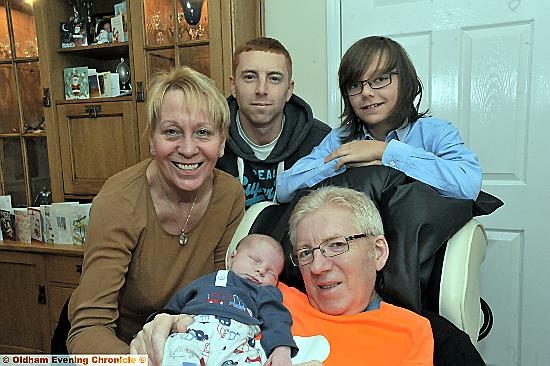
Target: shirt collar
400, 134
374, 304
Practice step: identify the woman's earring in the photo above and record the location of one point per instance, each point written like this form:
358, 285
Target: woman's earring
153, 152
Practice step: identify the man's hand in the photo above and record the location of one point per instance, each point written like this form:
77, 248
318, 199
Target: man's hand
358, 153
150, 340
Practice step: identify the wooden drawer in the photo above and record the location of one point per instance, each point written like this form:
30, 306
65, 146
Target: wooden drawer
58, 296
63, 269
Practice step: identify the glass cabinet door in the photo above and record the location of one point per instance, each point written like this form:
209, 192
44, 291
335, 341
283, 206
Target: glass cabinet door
176, 33
5, 43
24, 31
9, 111
13, 171
159, 22
23, 151
192, 20
39, 172
30, 96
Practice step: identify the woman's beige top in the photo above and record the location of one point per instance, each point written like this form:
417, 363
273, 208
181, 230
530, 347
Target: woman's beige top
132, 266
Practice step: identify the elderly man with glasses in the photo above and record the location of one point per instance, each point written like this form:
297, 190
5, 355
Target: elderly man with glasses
338, 244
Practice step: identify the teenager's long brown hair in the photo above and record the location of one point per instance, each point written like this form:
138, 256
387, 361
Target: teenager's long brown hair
389, 56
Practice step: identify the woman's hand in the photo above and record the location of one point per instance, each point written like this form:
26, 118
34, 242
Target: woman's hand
279, 357
358, 153
150, 340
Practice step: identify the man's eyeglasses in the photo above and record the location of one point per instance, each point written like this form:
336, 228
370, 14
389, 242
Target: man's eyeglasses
328, 248
378, 82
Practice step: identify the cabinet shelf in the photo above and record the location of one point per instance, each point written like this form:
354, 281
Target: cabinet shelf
120, 98
200, 42
99, 51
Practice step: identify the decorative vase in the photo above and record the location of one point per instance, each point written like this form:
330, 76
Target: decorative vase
123, 71
192, 11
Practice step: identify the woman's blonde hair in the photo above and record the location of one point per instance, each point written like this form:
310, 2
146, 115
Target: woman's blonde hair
199, 93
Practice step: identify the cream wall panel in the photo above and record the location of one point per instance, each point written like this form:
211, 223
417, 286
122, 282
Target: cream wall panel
301, 28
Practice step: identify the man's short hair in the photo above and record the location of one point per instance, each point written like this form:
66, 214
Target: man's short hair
366, 215
264, 44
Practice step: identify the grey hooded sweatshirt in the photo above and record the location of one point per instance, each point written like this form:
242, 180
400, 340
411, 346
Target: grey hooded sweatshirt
301, 133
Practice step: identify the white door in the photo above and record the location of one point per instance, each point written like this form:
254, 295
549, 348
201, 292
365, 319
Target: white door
485, 67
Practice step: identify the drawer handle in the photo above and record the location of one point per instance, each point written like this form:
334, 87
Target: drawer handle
41, 294
79, 268
92, 110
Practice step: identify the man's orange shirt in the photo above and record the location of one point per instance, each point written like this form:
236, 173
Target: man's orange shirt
386, 336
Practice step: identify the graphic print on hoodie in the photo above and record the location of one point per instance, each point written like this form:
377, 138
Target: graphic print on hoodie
301, 133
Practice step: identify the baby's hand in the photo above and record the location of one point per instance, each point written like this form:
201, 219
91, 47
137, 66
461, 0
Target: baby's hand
279, 357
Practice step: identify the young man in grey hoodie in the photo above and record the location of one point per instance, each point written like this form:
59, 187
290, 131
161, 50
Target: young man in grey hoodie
271, 128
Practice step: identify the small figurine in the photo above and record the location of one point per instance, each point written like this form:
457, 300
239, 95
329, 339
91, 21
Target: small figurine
44, 197
104, 35
79, 35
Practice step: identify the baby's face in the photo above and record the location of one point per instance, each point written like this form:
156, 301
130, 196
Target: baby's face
258, 262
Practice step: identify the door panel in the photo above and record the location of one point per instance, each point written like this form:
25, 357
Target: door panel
23, 283
94, 147
484, 68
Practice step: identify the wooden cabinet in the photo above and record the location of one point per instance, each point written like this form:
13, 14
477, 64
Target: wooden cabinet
24, 309
36, 280
85, 148
97, 140
63, 273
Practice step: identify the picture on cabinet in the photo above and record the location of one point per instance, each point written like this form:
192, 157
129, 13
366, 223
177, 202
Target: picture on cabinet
76, 83
7, 224
93, 83
66, 34
47, 227
36, 223
81, 214
22, 225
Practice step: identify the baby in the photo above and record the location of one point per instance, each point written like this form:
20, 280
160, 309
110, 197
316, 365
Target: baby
231, 307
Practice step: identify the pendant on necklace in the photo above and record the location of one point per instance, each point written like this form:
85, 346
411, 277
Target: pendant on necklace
183, 238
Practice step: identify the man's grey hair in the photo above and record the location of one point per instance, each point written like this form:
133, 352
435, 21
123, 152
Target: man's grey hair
366, 215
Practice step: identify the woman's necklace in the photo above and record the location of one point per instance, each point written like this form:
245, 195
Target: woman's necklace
183, 235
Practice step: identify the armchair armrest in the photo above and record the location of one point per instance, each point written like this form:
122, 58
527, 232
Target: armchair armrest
459, 296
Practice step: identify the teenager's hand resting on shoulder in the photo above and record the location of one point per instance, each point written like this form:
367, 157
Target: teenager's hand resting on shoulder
358, 153
150, 340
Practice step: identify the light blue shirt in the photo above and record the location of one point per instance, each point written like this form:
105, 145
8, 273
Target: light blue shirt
429, 150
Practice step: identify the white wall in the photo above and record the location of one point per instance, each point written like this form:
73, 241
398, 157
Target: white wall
301, 27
